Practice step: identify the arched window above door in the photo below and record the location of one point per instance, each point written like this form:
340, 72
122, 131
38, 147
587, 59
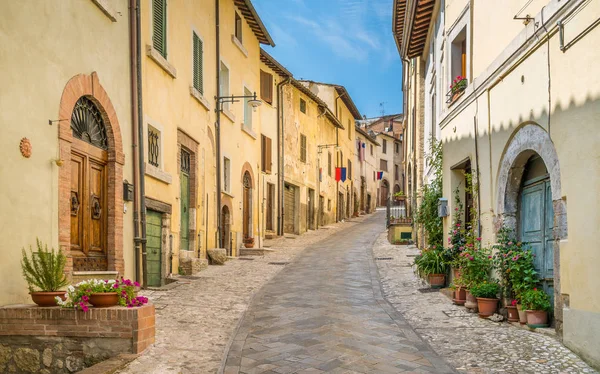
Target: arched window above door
87, 123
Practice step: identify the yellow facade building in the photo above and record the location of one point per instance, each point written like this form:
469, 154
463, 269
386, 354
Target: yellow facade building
524, 123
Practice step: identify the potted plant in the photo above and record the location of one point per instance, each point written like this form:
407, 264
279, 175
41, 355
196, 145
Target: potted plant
521, 275
513, 313
44, 271
537, 305
459, 84
431, 264
249, 242
102, 294
460, 292
399, 195
487, 297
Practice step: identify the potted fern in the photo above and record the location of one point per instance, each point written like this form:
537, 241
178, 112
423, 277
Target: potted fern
431, 264
44, 272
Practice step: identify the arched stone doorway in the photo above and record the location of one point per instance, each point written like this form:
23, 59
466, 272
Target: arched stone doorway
384, 192
529, 201
226, 228
90, 183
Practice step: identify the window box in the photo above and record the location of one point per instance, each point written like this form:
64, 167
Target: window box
458, 87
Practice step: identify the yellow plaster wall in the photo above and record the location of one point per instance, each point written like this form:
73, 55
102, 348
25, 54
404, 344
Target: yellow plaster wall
63, 39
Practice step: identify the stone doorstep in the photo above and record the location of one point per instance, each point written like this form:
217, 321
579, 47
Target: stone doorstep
255, 251
111, 365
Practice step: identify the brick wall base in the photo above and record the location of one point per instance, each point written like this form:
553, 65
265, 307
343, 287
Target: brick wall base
56, 340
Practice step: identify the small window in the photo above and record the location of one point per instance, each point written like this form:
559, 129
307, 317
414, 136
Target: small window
396, 174
383, 165
224, 83
349, 169
371, 149
153, 146
397, 145
374, 176
159, 26
302, 147
329, 205
198, 64
226, 175
384, 146
303, 106
266, 160
238, 27
247, 109
329, 164
349, 129
266, 87
458, 54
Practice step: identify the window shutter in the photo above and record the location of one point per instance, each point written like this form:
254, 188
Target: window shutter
268, 161
159, 26
262, 152
303, 148
266, 87
198, 73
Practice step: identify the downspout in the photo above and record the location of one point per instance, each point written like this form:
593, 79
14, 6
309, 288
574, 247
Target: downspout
142, 168
218, 240
280, 153
134, 133
337, 160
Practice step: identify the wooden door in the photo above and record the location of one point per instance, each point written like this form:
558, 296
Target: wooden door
384, 192
88, 207
184, 178
321, 210
311, 209
270, 206
153, 247
537, 221
247, 206
290, 209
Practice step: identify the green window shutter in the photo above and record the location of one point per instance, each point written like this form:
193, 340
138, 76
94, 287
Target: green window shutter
159, 26
198, 51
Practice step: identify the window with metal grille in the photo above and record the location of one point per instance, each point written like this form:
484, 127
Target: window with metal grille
153, 146
159, 26
226, 174
198, 64
303, 106
329, 164
266, 87
238, 27
302, 147
383, 165
185, 161
266, 154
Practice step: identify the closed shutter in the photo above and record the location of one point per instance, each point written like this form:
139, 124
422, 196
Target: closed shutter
266, 87
266, 153
159, 26
289, 210
198, 66
349, 169
329, 164
303, 148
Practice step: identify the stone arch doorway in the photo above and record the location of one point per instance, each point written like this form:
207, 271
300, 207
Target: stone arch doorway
247, 206
529, 201
90, 183
384, 192
226, 228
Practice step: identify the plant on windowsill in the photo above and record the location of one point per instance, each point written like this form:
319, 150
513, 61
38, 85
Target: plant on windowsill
458, 86
537, 304
486, 293
431, 263
249, 242
399, 195
44, 271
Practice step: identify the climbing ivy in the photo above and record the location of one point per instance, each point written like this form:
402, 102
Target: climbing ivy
427, 212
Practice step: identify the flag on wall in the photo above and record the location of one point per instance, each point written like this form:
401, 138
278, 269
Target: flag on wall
343, 176
320, 174
338, 174
379, 175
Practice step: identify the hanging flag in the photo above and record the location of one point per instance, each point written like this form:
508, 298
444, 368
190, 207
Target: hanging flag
364, 145
338, 174
343, 176
379, 175
320, 174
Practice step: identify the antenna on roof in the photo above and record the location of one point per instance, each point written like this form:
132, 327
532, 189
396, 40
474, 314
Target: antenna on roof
382, 108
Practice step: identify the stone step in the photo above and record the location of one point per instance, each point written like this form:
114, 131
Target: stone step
255, 251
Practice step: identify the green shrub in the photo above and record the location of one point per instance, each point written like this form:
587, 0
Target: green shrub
431, 261
536, 300
44, 271
488, 290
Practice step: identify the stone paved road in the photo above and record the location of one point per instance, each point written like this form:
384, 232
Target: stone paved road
325, 313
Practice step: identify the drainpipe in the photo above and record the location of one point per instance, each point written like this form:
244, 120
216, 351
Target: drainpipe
134, 133
218, 126
142, 167
280, 154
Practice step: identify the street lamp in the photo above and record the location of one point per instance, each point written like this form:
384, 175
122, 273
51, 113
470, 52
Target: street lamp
254, 102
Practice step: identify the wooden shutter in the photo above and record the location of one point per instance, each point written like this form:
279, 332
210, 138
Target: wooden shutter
198, 52
159, 26
329, 164
266, 154
303, 148
349, 169
266, 87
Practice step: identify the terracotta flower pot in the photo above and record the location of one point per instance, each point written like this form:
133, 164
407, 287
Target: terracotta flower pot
471, 302
249, 243
436, 280
513, 313
460, 296
487, 307
455, 273
522, 315
537, 318
104, 300
47, 298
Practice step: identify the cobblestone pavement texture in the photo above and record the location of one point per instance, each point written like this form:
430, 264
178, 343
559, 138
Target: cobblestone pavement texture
326, 313
195, 320
469, 343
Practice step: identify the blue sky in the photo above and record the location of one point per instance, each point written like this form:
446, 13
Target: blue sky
347, 42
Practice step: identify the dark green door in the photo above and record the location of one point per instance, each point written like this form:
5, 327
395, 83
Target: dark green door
185, 201
537, 221
153, 247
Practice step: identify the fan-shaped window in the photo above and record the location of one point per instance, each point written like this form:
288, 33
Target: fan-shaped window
87, 123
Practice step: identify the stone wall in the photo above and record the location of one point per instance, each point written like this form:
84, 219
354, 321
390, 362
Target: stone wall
56, 340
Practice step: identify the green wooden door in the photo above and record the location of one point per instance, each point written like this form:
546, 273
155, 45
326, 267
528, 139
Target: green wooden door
537, 221
153, 247
185, 212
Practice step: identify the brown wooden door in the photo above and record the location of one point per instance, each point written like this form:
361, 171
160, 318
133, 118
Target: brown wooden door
88, 206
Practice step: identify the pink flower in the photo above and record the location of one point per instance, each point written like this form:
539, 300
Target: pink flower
478, 239
85, 298
510, 243
471, 258
136, 284
489, 256
513, 303
535, 289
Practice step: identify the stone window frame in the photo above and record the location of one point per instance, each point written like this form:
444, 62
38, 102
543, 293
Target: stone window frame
191, 146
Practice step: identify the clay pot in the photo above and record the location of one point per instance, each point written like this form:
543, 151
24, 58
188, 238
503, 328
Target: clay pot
436, 280
249, 243
104, 299
537, 318
455, 273
460, 296
513, 314
487, 307
47, 298
471, 302
522, 315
